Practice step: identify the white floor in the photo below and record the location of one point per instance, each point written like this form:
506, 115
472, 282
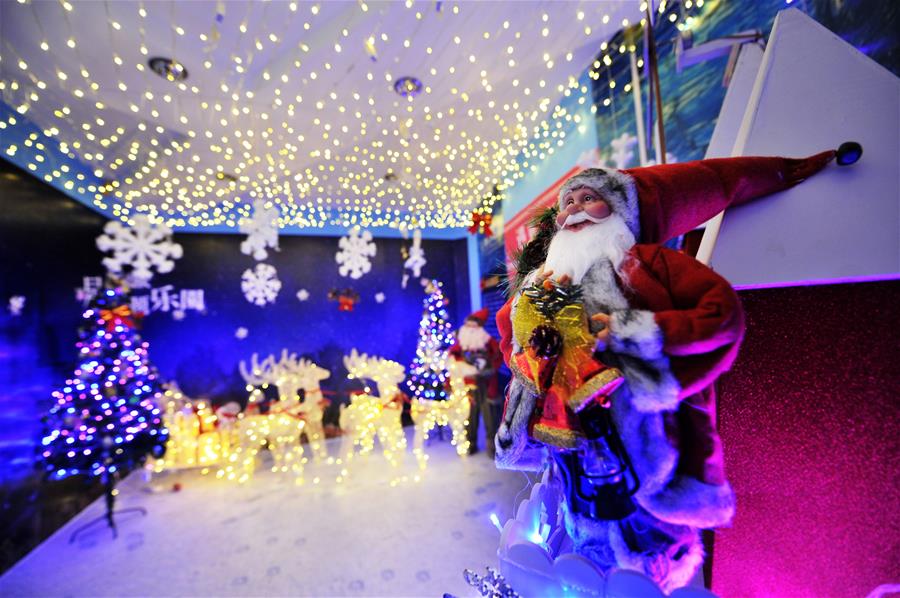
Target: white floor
364, 537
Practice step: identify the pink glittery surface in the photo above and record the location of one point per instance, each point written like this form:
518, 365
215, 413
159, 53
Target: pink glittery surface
810, 420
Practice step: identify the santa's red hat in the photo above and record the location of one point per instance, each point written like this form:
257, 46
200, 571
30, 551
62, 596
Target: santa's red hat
661, 202
480, 316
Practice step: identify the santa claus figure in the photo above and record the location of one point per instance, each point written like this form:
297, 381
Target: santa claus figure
478, 348
615, 342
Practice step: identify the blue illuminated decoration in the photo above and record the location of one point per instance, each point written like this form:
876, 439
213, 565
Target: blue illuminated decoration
427, 376
106, 417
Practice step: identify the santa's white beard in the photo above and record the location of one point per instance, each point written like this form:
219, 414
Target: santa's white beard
574, 252
473, 338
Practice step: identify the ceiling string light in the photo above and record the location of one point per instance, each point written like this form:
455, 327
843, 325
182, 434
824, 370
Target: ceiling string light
319, 153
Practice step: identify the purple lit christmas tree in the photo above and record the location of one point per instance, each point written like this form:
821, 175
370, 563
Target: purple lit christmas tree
106, 418
428, 371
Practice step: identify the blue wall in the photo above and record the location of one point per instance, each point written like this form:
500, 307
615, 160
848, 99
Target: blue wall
202, 352
47, 247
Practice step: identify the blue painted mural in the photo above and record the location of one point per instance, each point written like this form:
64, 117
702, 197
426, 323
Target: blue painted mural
692, 98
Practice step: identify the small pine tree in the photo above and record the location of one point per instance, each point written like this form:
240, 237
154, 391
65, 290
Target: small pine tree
427, 373
106, 418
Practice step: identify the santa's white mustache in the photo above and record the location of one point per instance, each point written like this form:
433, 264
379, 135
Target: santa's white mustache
579, 217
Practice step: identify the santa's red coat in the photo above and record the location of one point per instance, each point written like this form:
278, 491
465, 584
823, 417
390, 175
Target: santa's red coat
685, 316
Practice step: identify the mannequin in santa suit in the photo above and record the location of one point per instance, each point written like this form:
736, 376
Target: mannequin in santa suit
478, 348
633, 440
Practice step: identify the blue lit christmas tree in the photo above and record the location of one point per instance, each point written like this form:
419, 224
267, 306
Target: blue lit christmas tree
427, 374
106, 418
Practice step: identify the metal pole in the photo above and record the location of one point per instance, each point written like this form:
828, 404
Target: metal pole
638, 109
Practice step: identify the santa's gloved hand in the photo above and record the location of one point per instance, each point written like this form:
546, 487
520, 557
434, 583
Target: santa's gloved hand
544, 278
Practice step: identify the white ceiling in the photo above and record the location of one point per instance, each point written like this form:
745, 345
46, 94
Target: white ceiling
287, 98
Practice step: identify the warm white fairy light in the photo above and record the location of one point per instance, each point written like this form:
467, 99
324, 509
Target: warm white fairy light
452, 412
445, 169
195, 437
281, 427
278, 430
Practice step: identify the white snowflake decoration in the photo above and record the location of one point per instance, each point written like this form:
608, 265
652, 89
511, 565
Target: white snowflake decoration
261, 284
416, 258
16, 305
241, 333
355, 250
379, 297
140, 248
302, 295
262, 230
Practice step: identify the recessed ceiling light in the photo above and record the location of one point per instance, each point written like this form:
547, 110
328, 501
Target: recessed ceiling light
408, 86
168, 68
224, 176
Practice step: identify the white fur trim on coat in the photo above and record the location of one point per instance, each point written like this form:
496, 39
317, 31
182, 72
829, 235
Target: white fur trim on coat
648, 446
688, 501
668, 573
514, 450
666, 495
635, 334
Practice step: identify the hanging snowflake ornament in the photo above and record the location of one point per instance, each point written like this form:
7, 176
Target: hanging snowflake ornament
241, 333
262, 231
379, 297
16, 305
138, 250
355, 250
260, 284
416, 259
302, 295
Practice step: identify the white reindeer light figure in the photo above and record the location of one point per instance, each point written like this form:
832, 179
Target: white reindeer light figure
368, 415
453, 412
286, 374
309, 375
280, 428
277, 429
